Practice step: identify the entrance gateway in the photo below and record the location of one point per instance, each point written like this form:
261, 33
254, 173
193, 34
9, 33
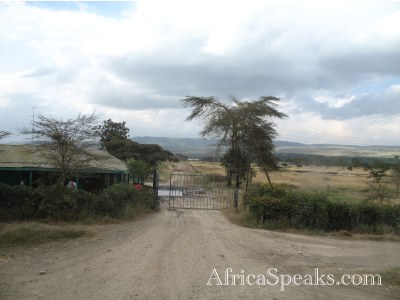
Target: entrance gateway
201, 191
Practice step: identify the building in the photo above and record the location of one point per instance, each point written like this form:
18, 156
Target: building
26, 164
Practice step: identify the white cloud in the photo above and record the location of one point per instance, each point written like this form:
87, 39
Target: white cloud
333, 102
137, 66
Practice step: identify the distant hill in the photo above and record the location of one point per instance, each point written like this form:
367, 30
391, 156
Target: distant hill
190, 147
200, 148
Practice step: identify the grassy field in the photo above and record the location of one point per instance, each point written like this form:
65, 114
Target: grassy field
342, 184
207, 167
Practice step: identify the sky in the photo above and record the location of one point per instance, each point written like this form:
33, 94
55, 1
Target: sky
334, 64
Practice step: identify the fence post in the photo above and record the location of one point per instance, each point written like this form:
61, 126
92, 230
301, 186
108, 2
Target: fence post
236, 193
155, 182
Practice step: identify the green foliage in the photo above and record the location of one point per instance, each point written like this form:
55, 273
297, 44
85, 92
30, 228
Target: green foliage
110, 130
257, 190
342, 215
139, 169
114, 138
245, 128
152, 154
309, 210
377, 174
396, 176
314, 211
58, 203
123, 149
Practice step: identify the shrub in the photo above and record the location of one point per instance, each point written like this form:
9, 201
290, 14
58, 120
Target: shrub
262, 190
342, 215
266, 207
314, 211
58, 203
310, 210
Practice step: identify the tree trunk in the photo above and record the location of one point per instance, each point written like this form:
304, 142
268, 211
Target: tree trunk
262, 161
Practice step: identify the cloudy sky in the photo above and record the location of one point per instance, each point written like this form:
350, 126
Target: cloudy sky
335, 64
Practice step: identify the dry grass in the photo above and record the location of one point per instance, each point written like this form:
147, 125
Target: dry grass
307, 177
208, 167
165, 169
317, 178
341, 183
392, 277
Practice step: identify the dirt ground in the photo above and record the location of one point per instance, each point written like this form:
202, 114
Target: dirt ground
173, 254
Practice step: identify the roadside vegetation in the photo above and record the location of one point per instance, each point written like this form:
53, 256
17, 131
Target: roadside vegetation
55, 202
279, 207
392, 277
33, 233
28, 211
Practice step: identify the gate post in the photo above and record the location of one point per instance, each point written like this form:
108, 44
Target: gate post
170, 190
236, 193
155, 182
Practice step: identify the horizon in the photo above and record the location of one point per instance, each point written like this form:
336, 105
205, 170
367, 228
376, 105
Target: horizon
10, 141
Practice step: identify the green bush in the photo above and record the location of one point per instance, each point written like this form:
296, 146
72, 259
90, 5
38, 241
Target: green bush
342, 215
309, 210
304, 210
266, 207
300, 209
58, 203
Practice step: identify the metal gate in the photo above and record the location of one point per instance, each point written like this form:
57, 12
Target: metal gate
201, 191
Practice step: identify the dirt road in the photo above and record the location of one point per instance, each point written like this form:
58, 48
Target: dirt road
172, 255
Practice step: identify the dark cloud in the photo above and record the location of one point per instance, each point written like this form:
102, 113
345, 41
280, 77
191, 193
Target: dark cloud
385, 104
130, 99
355, 66
209, 76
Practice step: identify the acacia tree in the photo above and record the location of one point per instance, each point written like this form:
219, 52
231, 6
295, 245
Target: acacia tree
245, 128
66, 144
396, 177
377, 173
4, 134
114, 137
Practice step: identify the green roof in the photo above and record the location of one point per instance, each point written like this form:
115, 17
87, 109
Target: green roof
30, 157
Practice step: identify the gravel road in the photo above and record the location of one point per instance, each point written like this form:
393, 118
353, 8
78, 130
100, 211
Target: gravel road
173, 254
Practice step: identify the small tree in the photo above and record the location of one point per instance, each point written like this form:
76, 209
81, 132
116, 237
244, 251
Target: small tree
396, 177
377, 173
139, 169
66, 144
